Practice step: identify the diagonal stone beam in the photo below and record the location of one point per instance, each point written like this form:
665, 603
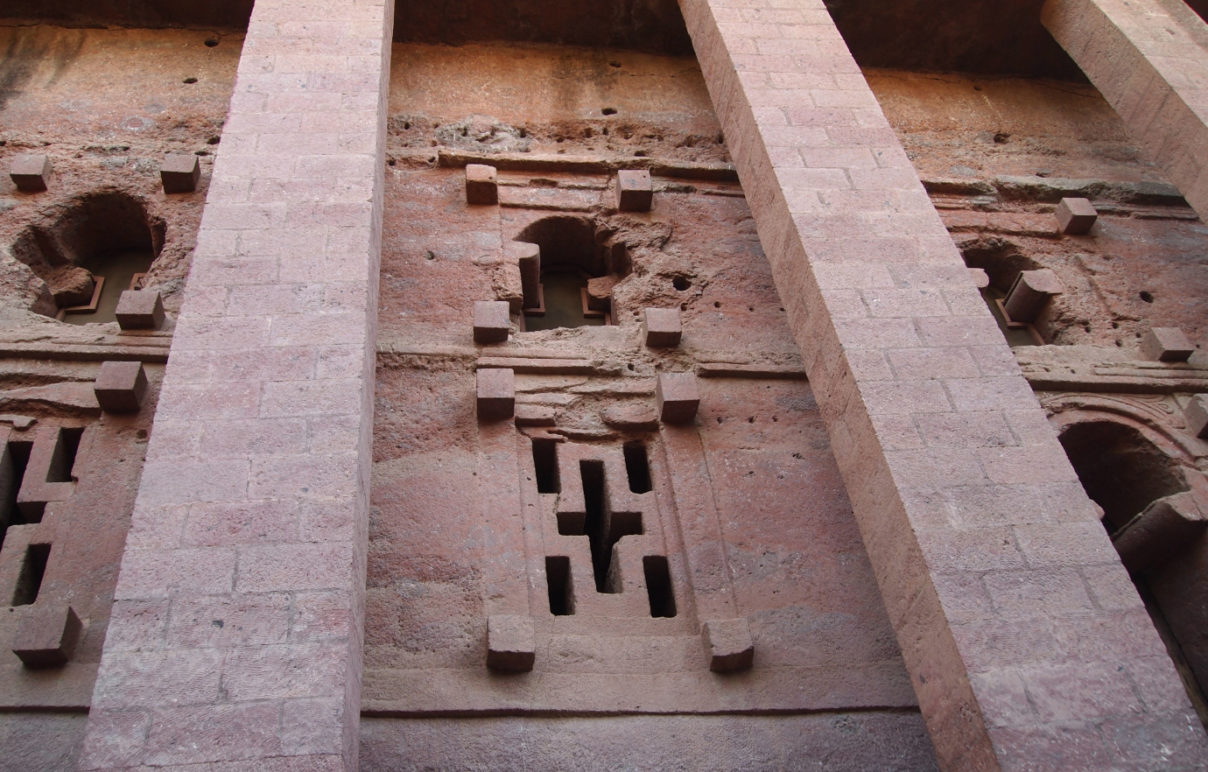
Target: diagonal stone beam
237, 626
1150, 62
1026, 642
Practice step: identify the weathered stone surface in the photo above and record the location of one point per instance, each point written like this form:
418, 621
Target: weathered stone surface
70, 285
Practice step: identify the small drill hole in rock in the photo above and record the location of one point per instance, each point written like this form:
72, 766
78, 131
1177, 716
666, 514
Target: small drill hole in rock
609, 111
1147, 296
213, 140
680, 283
189, 80
211, 42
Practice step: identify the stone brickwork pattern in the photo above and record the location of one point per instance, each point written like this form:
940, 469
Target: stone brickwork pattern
1028, 646
236, 633
1150, 62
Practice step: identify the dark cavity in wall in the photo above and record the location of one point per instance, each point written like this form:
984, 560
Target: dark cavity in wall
557, 579
545, 462
658, 586
1120, 470
12, 472
655, 26
33, 569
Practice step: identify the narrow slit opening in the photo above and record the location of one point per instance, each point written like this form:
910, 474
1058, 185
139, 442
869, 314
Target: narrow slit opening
33, 568
637, 467
64, 456
658, 586
557, 579
545, 462
11, 474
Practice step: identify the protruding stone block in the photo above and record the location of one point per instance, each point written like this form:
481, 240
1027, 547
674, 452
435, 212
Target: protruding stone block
511, 643
1076, 216
30, 172
528, 256
1167, 344
180, 172
496, 394
728, 645
678, 397
661, 327
139, 310
121, 386
1196, 414
46, 635
482, 184
1029, 294
635, 191
491, 321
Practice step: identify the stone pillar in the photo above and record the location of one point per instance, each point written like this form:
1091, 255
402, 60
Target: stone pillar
1150, 62
1026, 642
237, 628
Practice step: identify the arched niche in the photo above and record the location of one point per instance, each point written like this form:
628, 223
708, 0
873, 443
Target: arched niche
1155, 510
579, 266
90, 250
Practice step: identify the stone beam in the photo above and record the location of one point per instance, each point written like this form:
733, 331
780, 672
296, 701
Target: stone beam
1150, 62
237, 626
1027, 645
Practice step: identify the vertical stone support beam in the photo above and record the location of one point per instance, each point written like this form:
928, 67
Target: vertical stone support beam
236, 635
1027, 645
1150, 62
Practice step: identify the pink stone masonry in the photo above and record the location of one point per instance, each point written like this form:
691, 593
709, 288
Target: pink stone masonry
985, 552
236, 634
1148, 60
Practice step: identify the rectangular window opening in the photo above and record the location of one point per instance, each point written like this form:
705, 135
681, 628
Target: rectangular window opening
545, 461
637, 467
12, 472
33, 568
557, 578
658, 586
63, 459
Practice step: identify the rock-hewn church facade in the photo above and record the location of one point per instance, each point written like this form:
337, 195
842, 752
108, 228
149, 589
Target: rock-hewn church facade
721, 384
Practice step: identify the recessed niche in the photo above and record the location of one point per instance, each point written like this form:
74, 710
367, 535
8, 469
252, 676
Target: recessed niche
102, 245
579, 267
16, 460
658, 586
637, 467
545, 462
1121, 470
604, 527
64, 456
557, 578
1002, 262
33, 569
